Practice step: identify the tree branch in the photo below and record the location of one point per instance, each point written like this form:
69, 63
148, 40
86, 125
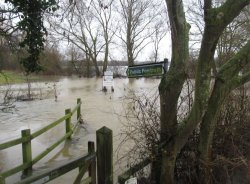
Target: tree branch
220, 17
232, 67
244, 78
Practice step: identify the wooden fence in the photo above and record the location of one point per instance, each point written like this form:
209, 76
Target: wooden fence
131, 171
84, 163
137, 167
102, 158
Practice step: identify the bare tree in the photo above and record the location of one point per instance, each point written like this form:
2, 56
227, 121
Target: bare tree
160, 31
78, 61
136, 25
103, 11
7, 15
88, 27
76, 25
234, 37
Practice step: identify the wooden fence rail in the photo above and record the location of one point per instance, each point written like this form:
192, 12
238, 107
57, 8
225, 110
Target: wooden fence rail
26, 138
131, 171
102, 171
137, 167
84, 163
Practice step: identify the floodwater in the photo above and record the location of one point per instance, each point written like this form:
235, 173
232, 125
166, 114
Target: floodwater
98, 109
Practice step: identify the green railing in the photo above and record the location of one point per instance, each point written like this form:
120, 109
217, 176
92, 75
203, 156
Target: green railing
84, 163
131, 171
99, 164
137, 167
27, 137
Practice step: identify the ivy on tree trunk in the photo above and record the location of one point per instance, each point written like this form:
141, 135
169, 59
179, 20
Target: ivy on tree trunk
31, 24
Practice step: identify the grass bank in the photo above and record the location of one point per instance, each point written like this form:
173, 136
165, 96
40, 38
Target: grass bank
12, 77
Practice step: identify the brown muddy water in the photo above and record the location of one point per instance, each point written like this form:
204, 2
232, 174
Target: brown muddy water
98, 109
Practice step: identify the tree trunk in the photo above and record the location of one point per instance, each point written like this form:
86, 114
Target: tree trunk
130, 44
215, 102
171, 86
88, 67
105, 62
168, 167
106, 54
206, 104
97, 71
206, 132
224, 83
209, 105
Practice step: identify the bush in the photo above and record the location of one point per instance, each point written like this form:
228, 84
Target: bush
230, 154
231, 146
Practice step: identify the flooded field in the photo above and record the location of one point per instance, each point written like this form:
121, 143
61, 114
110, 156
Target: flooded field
98, 109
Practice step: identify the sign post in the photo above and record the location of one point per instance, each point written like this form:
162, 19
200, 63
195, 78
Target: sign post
148, 70
108, 81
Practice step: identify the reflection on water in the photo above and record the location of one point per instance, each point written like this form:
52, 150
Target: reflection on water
98, 109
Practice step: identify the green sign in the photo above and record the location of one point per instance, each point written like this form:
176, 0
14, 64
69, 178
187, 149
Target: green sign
146, 70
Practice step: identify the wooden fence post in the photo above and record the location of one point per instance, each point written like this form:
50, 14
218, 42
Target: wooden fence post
2, 180
68, 122
79, 109
104, 155
27, 152
92, 167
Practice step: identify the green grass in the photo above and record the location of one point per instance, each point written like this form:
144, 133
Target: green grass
12, 77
